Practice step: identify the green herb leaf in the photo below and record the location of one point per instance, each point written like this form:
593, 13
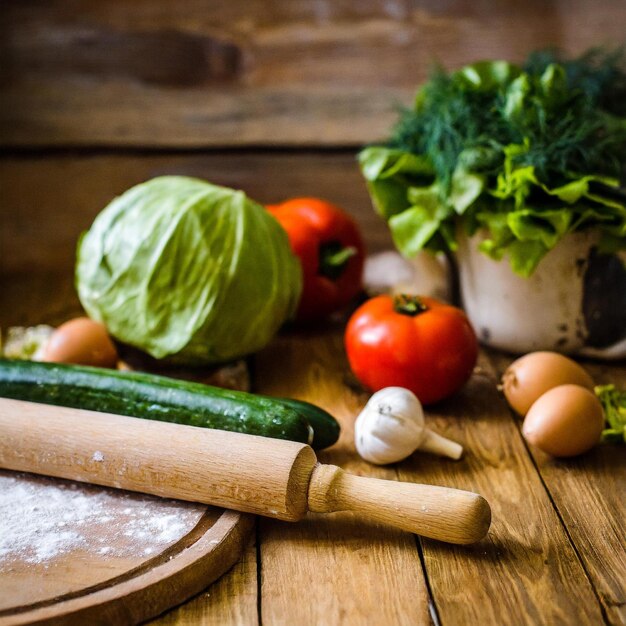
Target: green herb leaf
466, 187
614, 404
531, 154
389, 174
413, 229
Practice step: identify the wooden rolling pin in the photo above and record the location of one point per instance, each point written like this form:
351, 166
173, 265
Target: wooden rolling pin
270, 477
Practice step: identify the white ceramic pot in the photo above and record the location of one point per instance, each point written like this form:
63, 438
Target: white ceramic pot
574, 302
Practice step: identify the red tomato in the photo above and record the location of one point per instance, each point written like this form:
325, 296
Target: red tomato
414, 342
328, 243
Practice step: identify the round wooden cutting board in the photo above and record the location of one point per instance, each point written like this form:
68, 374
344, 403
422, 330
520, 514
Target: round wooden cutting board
77, 554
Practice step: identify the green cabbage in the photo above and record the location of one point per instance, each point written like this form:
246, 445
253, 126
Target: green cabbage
189, 271
528, 154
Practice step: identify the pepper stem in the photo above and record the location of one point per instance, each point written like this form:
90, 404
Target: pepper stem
333, 259
408, 305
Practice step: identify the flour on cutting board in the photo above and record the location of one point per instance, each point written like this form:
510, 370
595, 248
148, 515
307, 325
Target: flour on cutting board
42, 518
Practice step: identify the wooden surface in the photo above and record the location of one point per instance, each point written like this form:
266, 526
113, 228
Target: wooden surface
529, 569
441, 513
275, 99
227, 73
47, 201
106, 556
555, 553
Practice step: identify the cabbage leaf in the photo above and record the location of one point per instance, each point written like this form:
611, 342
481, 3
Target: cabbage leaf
186, 270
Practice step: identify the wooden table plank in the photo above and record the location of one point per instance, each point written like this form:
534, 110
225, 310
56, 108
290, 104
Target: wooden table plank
589, 493
231, 600
48, 201
338, 568
526, 571
146, 73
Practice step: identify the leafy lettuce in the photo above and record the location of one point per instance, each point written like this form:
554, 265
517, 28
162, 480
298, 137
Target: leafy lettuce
527, 155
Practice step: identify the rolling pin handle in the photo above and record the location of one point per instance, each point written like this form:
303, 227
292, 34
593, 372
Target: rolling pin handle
441, 513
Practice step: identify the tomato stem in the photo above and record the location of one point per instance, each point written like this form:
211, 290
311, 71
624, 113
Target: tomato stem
408, 305
334, 258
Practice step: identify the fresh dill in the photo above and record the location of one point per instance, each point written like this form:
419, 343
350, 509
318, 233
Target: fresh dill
526, 154
575, 130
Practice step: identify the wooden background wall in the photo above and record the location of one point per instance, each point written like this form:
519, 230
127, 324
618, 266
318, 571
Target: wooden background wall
272, 97
197, 73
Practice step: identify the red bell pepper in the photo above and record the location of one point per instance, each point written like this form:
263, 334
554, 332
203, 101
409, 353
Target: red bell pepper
330, 248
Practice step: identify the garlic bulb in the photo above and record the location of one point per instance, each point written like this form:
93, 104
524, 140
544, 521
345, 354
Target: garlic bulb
391, 427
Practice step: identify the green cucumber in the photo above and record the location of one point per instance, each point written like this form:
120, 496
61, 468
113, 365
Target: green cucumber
166, 399
325, 426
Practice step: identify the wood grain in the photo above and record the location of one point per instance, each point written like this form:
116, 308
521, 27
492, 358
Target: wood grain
556, 552
440, 513
336, 568
152, 73
231, 600
589, 493
83, 586
152, 591
49, 201
527, 570
58, 538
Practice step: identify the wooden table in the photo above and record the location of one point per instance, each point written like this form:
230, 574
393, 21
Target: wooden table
276, 100
555, 553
